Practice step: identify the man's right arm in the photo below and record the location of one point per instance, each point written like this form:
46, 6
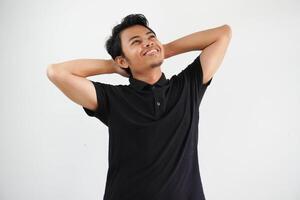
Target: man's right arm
70, 78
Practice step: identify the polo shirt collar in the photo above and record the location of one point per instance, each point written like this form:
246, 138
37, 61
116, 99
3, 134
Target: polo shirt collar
140, 85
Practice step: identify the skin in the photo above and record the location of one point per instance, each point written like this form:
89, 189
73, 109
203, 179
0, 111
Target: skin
69, 76
143, 67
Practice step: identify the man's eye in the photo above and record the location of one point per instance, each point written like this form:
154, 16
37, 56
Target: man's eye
135, 41
152, 36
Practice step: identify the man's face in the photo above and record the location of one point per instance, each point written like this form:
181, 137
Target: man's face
136, 41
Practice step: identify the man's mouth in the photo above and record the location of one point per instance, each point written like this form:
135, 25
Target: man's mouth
151, 52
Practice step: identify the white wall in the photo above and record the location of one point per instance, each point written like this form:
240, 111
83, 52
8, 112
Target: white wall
249, 143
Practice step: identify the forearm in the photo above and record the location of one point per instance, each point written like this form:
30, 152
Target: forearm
196, 41
85, 67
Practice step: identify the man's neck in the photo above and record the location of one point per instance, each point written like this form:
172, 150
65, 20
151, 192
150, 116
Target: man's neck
149, 77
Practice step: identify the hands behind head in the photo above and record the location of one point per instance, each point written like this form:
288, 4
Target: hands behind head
118, 69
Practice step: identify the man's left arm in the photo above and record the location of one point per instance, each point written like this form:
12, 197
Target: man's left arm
213, 43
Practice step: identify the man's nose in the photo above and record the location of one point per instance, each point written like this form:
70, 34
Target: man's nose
149, 43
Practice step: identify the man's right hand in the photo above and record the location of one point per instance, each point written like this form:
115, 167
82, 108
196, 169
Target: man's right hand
118, 69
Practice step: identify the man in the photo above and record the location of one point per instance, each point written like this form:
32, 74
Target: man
153, 121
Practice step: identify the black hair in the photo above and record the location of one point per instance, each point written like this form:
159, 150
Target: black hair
113, 44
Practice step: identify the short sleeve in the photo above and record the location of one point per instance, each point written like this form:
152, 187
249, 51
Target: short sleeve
102, 112
192, 75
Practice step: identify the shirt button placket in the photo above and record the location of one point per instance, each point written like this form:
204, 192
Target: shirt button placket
156, 101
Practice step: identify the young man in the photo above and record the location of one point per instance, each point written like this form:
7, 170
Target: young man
153, 121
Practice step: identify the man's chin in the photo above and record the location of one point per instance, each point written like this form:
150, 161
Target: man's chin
156, 63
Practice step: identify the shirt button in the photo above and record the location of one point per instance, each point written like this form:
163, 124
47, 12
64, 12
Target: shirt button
153, 87
158, 103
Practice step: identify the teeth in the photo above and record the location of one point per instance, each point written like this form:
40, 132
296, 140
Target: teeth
151, 51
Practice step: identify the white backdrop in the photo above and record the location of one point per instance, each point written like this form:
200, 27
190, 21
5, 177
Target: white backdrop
249, 143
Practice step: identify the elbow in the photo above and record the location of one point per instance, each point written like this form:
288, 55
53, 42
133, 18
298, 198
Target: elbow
55, 73
51, 72
227, 31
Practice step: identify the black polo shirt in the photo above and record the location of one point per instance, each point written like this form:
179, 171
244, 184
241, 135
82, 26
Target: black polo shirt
153, 136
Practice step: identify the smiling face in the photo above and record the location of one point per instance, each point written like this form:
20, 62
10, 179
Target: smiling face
136, 41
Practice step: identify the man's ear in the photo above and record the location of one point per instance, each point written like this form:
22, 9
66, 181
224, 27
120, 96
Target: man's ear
122, 62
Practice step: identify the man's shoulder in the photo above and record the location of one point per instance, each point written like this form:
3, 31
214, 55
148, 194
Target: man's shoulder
117, 88
109, 85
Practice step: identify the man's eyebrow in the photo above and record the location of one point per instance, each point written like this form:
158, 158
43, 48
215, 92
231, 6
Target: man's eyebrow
136, 36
